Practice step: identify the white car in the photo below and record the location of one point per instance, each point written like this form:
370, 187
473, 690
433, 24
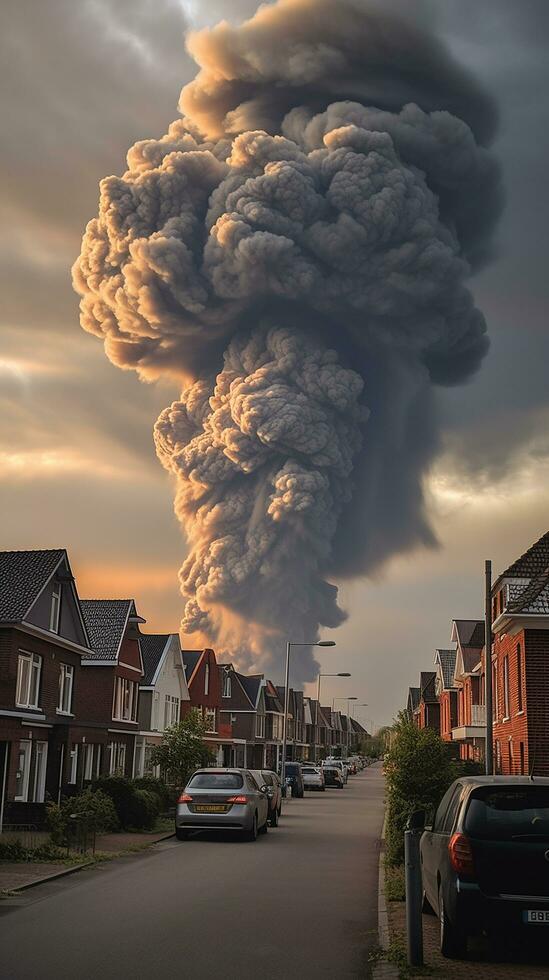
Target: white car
339, 764
313, 778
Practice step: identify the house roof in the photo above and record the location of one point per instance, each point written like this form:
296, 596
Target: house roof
190, 659
23, 575
469, 633
106, 621
413, 697
534, 598
447, 661
427, 685
532, 563
152, 648
251, 684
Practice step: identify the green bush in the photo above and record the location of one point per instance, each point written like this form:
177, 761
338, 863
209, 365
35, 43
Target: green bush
418, 771
136, 808
158, 787
147, 809
91, 811
182, 749
15, 850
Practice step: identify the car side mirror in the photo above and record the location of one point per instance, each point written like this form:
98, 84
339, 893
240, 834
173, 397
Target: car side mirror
417, 820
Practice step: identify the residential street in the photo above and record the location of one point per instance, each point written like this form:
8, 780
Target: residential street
301, 902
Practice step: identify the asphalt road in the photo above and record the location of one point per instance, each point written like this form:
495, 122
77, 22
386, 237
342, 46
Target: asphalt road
299, 902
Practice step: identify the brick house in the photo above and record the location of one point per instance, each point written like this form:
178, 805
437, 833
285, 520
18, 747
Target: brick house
428, 712
43, 642
244, 708
312, 734
520, 657
470, 730
107, 700
447, 691
162, 691
274, 720
204, 683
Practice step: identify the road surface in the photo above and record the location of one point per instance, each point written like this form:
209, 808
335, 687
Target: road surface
300, 902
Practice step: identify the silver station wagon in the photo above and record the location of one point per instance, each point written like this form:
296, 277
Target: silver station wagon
225, 800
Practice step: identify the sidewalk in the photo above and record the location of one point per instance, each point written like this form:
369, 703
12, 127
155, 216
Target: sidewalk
16, 875
481, 965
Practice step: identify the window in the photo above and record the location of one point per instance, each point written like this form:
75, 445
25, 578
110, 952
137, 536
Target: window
495, 691
55, 607
207, 679
155, 712
226, 684
521, 752
28, 680
509, 812
171, 711
66, 674
498, 756
260, 726
209, 718
506, 705
117, 759
30, 778
510, 760
519, 677
92, 761
125, 700
216, 780
73, 770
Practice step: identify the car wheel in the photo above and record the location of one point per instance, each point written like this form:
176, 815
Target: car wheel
322, 789
274, 819
181, 834
252, 833
453, 941
279, 811
265, 828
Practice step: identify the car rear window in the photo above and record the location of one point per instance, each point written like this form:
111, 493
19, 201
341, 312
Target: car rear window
292, 768
309, 770
509, 813
216, 780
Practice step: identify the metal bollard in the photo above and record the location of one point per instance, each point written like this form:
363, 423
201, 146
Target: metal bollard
414, 896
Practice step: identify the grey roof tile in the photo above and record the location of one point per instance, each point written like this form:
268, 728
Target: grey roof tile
447, 660
105, 621
152, 648
413, 698
532, 563
23, 575
534, 598
251, 684
190, 659
427, 685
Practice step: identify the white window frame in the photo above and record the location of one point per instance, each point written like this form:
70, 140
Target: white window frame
92, 760
125, 699
207, 679
25, 748
117, 758
506, 691
155, 721
55, 607
66, 680
28, 698
73, 769
226, 684
260, 725
38, 792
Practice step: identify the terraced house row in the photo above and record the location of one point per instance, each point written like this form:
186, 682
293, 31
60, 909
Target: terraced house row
451, 698
85, 691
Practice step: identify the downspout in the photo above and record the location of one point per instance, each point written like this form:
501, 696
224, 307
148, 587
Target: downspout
4, 780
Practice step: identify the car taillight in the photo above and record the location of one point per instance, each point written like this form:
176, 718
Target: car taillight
461, 854
185, 798
237, 799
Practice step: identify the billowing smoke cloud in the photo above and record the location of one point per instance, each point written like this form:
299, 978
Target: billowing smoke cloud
296, 248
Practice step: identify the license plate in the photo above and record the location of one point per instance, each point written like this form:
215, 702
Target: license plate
536, 917
210, 808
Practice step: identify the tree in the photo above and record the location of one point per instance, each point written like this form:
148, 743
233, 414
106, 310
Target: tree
182, 749
418, 770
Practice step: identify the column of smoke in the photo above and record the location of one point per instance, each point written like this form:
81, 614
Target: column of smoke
296, 250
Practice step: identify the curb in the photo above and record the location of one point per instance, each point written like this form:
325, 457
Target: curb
383, 970
77, 867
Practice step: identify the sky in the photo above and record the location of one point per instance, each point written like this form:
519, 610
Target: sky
77, 463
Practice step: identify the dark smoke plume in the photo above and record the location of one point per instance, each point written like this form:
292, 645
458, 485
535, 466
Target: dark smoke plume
296, 249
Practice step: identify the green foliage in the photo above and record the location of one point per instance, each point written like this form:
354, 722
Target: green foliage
158, 787
182, 750
15, 850
92, 812
418, 771
132, 810
146, 809
395, 890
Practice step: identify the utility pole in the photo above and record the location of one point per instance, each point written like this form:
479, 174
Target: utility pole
489, 751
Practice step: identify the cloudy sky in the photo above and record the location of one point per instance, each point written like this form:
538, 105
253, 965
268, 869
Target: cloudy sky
77, 463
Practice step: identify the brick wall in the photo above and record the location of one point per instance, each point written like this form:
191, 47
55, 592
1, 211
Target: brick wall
511, 722
536, 662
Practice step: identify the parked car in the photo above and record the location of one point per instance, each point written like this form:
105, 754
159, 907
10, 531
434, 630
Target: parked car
313, 778
339, 764
332, 776
222, 799
293, 773
485, 859
274, 792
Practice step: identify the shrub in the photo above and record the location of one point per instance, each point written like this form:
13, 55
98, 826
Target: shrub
419, 770
15, 850
136, 808
182, 749
147, 809
158, 787
94, 812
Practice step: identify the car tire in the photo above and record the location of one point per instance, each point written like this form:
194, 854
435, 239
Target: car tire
453, 941
274, 819
251, 834
265, 828
279, 811
181, 834
322, 789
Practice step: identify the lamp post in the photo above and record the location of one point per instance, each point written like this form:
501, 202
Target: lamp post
289, 645
348, 700
344, 674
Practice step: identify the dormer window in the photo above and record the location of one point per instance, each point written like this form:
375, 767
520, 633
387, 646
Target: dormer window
55, 607
207, 679
226, 684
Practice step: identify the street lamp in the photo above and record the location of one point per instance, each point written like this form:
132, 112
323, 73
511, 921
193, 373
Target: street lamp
344, 674
289, 645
